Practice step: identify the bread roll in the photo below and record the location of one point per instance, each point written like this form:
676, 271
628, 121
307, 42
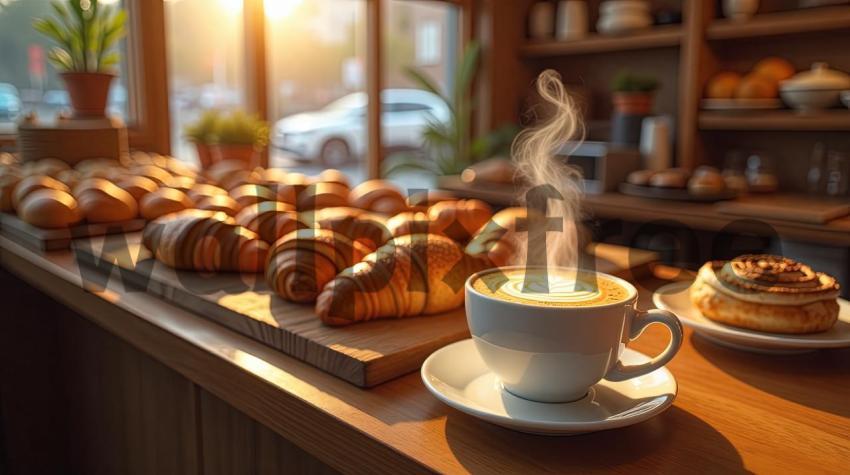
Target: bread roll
723, 85
332, 175
161, 176
33, 183
323, 195
640, 177
102, 201
164, 201
138, 186
223, 203
422, 200
204, 190
247, 195
459, 219
669, 179
710, 183
49, 208
379, 196
45, 166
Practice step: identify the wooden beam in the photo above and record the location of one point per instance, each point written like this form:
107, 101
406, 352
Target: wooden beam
256, 82
374, 84
694, 67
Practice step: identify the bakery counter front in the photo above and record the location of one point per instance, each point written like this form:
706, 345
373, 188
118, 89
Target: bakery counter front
151, 370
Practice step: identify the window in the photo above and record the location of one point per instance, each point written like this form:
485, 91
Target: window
317, 102
28, 83
418, 35
205, 62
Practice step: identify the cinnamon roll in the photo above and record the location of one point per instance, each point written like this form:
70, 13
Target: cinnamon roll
766, 293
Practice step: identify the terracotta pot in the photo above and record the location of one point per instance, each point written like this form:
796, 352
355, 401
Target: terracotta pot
205, 154
242, 152
633, 103
89, 92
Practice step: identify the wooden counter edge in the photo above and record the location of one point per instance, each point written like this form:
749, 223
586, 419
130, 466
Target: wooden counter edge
322, 434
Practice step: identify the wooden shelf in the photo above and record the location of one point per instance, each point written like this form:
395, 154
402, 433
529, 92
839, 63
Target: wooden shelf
776, 120
781, 23
657, 37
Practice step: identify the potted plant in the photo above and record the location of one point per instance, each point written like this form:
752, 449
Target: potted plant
633, 93
447, 149
202, 133
86, 33
240, 136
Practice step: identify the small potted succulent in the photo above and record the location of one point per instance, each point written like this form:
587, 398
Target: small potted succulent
240, 136
86, 33
202, 133
633, 94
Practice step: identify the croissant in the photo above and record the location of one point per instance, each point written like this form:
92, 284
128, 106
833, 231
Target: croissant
271, 220
460, 219
323, 195
247, 195
410, 222
496, 240
302, 262
204, 241
416, 274
379, 196
358, 225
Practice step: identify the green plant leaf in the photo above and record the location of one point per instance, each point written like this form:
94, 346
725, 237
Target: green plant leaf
60, 58
425, 82
406, 161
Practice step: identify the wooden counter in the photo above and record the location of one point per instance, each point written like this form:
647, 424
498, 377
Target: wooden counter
734, 412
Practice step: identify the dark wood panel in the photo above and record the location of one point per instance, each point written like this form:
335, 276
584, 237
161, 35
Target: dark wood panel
235, 443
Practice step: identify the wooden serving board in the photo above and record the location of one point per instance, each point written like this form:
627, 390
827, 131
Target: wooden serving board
40, 239
788, 207
364, 354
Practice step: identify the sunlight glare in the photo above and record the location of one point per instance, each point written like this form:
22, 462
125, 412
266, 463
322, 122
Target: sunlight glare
278, 9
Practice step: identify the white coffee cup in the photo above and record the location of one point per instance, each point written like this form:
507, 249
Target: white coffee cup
556, 353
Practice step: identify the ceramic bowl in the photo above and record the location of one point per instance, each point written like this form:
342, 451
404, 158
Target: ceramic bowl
624, 24
811, 100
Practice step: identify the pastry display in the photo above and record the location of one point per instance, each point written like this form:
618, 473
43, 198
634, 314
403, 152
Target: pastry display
670, 178
302, 262
766, 293
704, 184
417, 274
49, 208
640, 177
204, 241
247, 195
164, 201
706, 181
756, 89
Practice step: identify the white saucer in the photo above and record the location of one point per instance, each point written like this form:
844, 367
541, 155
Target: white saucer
456, 375
674, 297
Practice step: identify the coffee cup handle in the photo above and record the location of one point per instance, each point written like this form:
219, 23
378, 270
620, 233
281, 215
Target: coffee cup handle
640, 321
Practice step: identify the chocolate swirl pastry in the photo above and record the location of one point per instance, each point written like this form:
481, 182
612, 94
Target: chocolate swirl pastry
766, 293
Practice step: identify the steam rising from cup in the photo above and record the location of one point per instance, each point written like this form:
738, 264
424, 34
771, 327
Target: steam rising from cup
551, 187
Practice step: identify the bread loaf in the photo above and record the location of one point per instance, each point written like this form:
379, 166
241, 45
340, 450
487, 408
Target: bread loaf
34, 183
138, 186
379, 196
323, 195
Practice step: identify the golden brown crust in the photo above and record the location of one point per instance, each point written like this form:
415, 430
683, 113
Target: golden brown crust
49, 208
459, 219
164, 201
812, 317
102, 201
323, 195
411, 275
379, 196
34, 183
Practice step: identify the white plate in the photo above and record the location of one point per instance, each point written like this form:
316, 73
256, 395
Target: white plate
740, 104
457, 375
674, 297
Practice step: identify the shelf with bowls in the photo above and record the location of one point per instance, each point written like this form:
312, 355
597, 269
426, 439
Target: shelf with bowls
781, 23
656, 37
788, 120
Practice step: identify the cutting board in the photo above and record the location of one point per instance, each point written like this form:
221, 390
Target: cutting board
41, 239
787, 207
364, 354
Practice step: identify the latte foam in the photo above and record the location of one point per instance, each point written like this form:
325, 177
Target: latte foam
556, 288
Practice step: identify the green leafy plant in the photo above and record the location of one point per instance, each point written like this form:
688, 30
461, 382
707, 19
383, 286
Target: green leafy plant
240, 128
446, 145
204, 129
626, 81
86, 33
